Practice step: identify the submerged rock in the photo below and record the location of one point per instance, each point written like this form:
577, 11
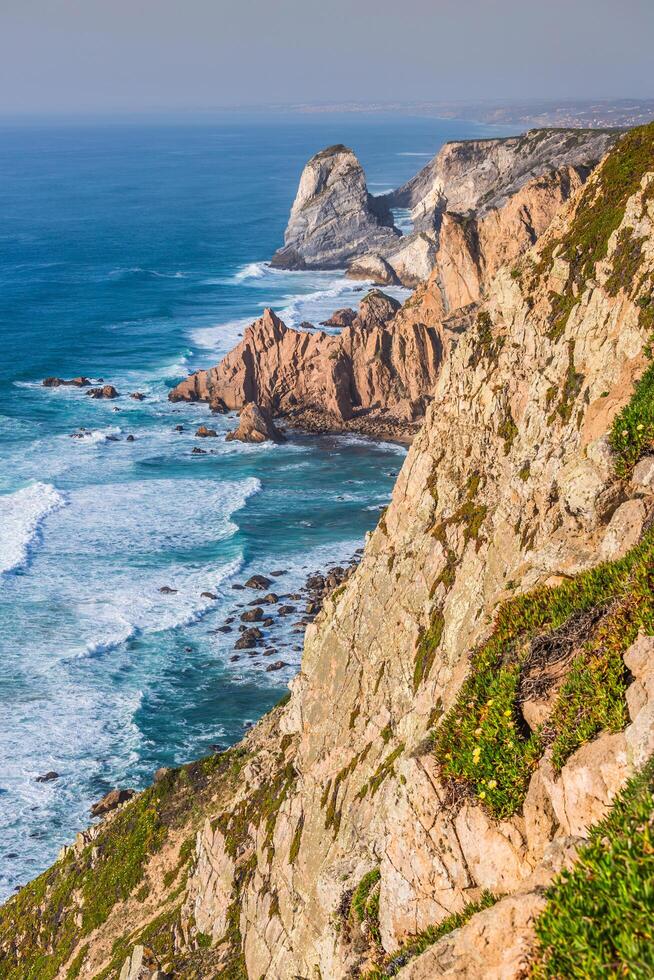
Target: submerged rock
47, 777
79, 382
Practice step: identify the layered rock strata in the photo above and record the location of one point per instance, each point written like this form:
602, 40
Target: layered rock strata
333, 217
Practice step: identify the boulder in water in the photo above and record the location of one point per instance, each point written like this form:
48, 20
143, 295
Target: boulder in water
256, 425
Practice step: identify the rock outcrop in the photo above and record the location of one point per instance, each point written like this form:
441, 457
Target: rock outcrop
256, 425
397, 812
379, 371
333, 218
334, 222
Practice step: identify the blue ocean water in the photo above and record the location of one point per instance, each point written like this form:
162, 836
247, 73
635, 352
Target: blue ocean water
135, 251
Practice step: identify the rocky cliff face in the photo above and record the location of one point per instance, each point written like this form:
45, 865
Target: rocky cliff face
377, 372
333, 217
481, 175
470, 703
334, 222
473, 247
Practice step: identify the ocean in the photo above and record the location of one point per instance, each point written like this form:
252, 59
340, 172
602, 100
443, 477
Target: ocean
135, 250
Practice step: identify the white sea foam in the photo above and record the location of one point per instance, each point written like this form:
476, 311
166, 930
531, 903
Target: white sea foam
141, 538
222, 336
253, 270
123, 273
22, 515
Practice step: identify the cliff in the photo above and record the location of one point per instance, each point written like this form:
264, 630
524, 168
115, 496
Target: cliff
472, 703
334, 222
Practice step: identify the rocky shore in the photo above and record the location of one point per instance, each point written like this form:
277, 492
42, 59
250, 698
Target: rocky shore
374, 376
260, 629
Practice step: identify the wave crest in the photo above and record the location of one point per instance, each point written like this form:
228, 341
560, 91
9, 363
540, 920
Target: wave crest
22, 514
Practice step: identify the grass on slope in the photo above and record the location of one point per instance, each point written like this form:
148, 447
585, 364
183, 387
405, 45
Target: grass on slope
415, 945
39, 927
483, 745
598, 214
599, 920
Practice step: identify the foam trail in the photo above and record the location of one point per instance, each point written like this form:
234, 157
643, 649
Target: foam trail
21, 518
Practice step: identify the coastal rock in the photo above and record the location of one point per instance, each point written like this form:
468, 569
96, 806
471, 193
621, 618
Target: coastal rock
47, 777
335, 222
252, 615
137, 396
340, 318
256, 582
339, 801
255, 425
367, 372
107, 391
481, 175
333, 218
249, 639
204, 433
472, 247
79, 382
110, 801
372, 266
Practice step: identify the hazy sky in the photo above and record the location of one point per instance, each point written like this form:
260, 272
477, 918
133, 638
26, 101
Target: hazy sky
88, 55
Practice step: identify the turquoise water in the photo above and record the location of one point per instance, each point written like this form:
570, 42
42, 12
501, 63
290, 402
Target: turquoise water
136, 252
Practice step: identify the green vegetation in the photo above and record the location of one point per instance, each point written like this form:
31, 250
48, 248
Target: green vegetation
329, 797
632, 432
627, 259
393, 963
599, 920
483, 746
297, 840
507, 430
470, 514
40, 922
365, 902
427, 647
487, 346
261, 806
598, 215
384, 769
571, 387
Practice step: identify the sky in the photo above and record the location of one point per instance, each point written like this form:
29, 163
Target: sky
148, 55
